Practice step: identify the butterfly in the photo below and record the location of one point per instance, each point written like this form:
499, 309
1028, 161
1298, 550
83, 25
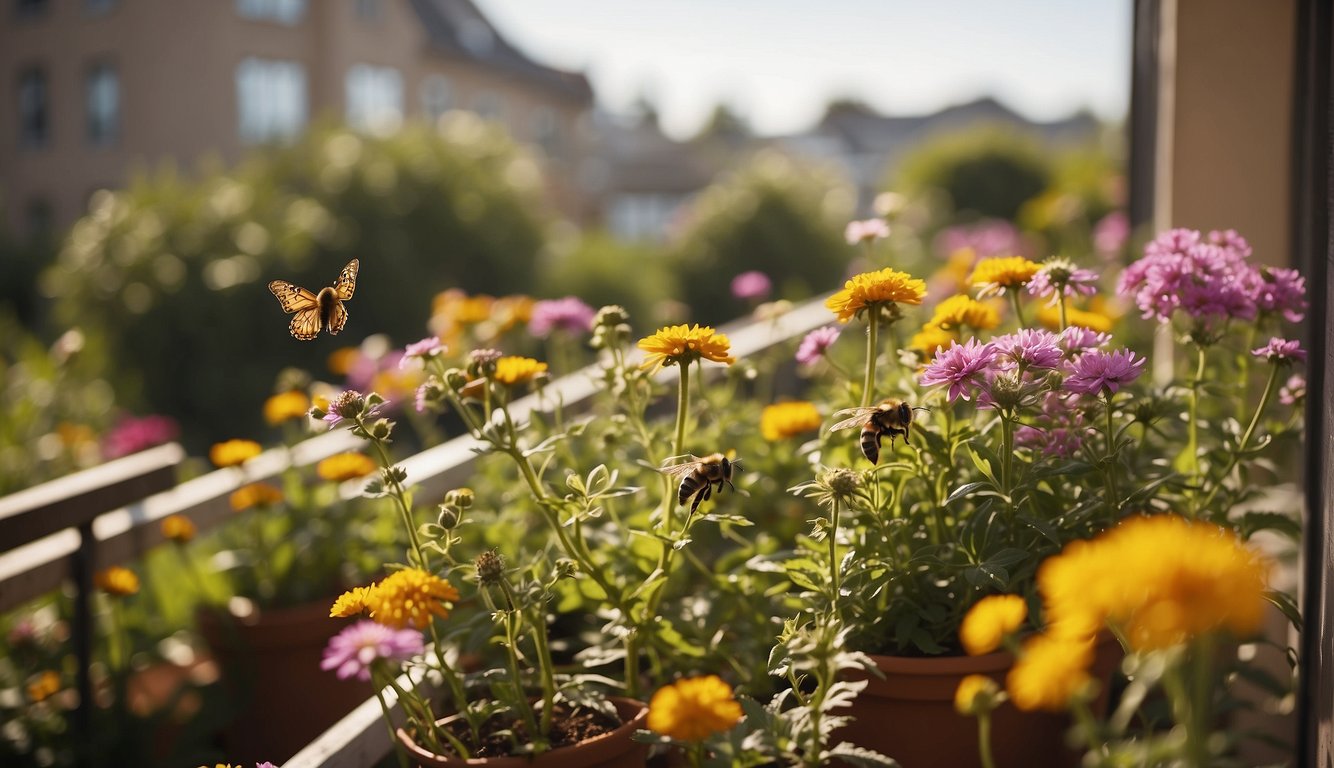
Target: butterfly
316, 311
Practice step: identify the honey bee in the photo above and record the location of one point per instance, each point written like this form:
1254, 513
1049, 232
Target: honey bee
315, 311
700, 475
892, 417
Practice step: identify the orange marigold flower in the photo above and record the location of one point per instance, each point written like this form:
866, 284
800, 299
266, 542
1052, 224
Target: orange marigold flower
931, 338
693, 709
998, 273
254, 495
1050, 317
959, 311
1051, 671
340, 360
683, 345
117, 581
178, 528
351, 602
286, 406
46, 685
784, 420
989, 621
409, 597
975, 694
233, 453
512, 370
870, 289
345, 466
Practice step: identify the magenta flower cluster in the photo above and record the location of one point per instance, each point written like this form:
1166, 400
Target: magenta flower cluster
990, 237
131, 435
352, 652
568, 314
751, 286
421, 350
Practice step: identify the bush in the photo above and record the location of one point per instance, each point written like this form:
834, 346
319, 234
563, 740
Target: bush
174, 273
601, 270
770, 215
990, 171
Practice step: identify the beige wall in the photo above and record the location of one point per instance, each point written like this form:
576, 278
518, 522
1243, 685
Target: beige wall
1227, 101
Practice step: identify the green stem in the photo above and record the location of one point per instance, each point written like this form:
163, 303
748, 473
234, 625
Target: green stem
1060, 302
512, 656
1192, 428
399, 752
682, 408
872, 352
1018, 308
1201, 694
1270, 385
984, 740
400, 496
696, 754
545, 666
833, 556
1113, 503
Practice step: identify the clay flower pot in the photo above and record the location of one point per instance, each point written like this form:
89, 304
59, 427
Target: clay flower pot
614, 749
910, 716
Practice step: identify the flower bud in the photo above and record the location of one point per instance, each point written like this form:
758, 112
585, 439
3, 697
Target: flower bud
348, 405
459, 497
448, 517
490, 567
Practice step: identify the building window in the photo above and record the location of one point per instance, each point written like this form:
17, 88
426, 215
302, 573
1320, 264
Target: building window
102, 98
271, 99
546, 131
374, 98
489, 105
437, 96
287, 12
31, 9
34, 109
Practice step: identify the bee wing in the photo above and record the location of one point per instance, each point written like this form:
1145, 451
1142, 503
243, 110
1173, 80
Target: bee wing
294, 298
346, 285
337, 318
306, 324
683, 468
857, 419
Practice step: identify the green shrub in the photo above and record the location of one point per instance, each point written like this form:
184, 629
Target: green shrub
601, 270
988, 171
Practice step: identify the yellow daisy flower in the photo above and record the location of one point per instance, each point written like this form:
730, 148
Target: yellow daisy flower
1050, 671
693, 709
178, 528
989, 621
340, 360
286, 406
117, 581
784, 420
345, 466
975, 694
870, 289
994, 275
44, 687
233, 452
351, 602
512, 370
959, 311
409, 597
1050, 317
683, 345
254, 495
931, 338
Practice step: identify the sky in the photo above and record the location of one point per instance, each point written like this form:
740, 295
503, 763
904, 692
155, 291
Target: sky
778, 62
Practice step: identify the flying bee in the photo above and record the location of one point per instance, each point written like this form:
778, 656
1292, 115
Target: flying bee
892, 417
700, 475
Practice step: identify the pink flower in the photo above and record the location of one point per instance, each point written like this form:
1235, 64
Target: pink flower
1029, 349
353, 651
1057, 442
751, 286
1294, 391
1061, 277
991, 237
1283, 291
816, 343
1098, 372
265, 764
1281, 351
425, 349
1111, 233
960, 366
865, 231
1208, 279
568, 314
1076, 340
131, 435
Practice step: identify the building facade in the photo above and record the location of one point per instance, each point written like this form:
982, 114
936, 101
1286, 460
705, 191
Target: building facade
95, 89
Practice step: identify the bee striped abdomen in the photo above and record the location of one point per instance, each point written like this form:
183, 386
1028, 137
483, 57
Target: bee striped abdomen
871, 442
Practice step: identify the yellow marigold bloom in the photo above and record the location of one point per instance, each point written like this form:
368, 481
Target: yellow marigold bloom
471, 310
887, 286
998, 273
513, 370
409, 597
345, 466
351, 602
44, 687
931, 338
233, 452
1049, 672
784, 420
1050, 317
958, 311
178, 528
73, 436
683, 345
512, 311
989, 621
340, 360
975, 694
693, 709
117, 581
254, 495
286, 406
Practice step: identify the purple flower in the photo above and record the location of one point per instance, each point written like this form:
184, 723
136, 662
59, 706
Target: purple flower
992, 237
265, 764
1076, 340
1281, 351
421, 350
1205, 278
1282, 290
959, 366
751, 286
1029, 349
131, 435
419, 398
1098, 372
816, 343
353, 651
1294, 391
1060, 276
1057, 442
866, 231
1111, 232
348, 405
568, 314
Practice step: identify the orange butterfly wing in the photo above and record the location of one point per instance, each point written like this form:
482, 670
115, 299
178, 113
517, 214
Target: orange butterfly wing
337, 318
294, 298
306, 324
345, 286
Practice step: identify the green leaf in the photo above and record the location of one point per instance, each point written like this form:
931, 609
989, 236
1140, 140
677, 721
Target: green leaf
983, 465
1252, 522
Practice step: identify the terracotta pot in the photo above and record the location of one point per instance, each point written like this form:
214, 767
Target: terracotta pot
910, 716
271, 667
614, 749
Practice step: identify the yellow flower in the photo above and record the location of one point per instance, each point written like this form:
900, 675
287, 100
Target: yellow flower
931, 338
996, 274
512, 311
254, 495
871, 289
513, 370
693, 709
345, 466
178, 528
409, 597
72, 436
975, 694
233, 452
351, 602
959, 311
117, 581
286, 406
683, 345
989, 621
783, 420
1050, 671
1050, 317
44, 687
340, 360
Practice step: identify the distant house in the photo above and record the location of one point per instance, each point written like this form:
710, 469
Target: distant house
94, 88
